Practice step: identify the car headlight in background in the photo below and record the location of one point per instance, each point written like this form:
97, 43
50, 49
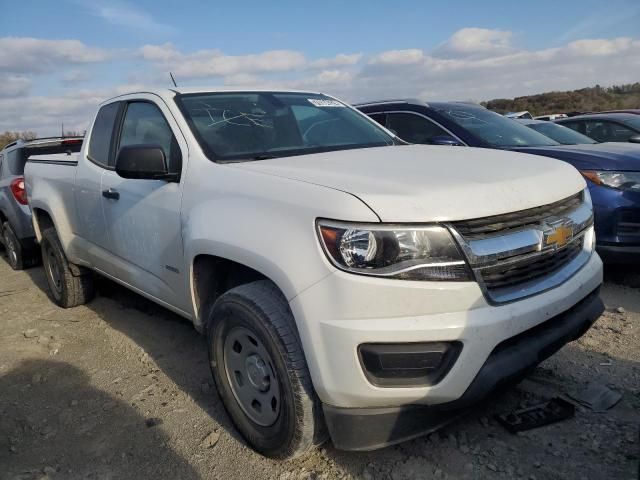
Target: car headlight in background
391, 251
617, 180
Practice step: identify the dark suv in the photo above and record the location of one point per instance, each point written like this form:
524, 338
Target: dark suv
16, 230
606, 127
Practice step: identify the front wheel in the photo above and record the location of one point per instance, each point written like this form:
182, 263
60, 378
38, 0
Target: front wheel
66, 287
260, 371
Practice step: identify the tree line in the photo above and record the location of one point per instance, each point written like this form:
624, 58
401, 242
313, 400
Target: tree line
591, 99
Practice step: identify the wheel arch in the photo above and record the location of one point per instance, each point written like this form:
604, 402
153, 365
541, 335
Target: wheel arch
213, 275
42, 220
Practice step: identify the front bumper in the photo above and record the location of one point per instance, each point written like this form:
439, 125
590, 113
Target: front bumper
371, 428
617, 224
343, 311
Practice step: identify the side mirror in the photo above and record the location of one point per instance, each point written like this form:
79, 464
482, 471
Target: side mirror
142, 162
635, 139
444, 140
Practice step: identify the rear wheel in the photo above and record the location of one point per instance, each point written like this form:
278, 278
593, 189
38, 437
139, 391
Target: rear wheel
19, 254
69, 284
260, 371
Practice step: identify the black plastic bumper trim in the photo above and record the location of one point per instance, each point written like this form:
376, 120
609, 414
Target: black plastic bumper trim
373, 428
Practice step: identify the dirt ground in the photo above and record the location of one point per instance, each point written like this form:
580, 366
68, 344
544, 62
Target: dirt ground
121, 388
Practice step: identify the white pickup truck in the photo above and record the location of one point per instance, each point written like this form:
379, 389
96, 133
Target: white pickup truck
349, 284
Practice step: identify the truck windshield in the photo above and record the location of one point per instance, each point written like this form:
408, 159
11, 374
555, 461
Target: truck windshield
239, 126
560, 134
494, 129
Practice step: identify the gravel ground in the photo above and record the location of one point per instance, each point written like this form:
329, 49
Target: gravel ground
121, 388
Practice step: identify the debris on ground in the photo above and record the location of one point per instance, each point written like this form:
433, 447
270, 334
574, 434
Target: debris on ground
539, 415
124, 363
598, 398
210, 440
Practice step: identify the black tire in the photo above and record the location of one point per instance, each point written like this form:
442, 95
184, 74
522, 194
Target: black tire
261, 309
19, 255
69, 284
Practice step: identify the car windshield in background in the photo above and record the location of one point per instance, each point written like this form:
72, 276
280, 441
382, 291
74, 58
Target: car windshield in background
634, 122
260, 125
494, 129
560, 134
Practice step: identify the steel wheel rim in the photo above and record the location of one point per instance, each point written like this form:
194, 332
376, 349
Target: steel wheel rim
11, 249
251, 376
53, 269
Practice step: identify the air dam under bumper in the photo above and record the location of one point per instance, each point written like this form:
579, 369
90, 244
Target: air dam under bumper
372, 428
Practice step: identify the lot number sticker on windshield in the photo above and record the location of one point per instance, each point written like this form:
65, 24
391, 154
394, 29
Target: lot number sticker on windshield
322, 102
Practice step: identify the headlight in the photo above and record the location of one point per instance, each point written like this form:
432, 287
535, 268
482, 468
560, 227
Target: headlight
617, 180
408, 253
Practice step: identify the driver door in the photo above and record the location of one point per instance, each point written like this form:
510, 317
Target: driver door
143, 216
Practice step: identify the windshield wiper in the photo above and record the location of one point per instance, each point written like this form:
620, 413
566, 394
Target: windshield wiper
264, 156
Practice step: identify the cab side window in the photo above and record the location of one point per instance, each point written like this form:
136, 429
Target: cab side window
414, 128
101, 135
144, 124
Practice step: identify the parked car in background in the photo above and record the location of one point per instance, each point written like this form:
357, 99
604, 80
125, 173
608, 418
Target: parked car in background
559, 133
523, 114
551, 117
347, 282
606, 127
16, 231
635, 111
612, 170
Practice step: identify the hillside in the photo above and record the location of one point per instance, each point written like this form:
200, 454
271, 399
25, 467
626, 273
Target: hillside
584, 100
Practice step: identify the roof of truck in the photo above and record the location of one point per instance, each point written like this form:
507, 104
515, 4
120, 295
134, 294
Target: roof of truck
168, 93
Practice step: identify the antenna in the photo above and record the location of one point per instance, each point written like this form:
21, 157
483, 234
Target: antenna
62, 129
173, 80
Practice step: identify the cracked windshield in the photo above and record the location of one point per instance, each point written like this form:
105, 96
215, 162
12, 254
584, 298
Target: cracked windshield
259, 126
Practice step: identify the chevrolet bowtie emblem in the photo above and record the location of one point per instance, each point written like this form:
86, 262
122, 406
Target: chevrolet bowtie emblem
559, 236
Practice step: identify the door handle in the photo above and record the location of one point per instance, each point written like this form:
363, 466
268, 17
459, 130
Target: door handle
111, 193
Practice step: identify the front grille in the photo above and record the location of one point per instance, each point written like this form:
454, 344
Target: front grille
629, 223
515, 273
480, 227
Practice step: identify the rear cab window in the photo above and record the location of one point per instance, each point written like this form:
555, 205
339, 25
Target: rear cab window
100, 143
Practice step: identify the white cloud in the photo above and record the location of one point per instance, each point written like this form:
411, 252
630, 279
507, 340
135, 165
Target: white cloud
34, 55
126, 15
340, 60
45, 114
415, 73
75, 77
392, 58
475, 42
458, 69
214, 63
12, 86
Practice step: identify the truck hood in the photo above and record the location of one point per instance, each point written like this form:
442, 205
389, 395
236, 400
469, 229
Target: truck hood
598, 156
419, 183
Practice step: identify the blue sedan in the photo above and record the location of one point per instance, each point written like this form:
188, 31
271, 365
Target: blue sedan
612, 170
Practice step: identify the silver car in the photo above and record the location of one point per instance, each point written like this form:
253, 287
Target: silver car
16, 230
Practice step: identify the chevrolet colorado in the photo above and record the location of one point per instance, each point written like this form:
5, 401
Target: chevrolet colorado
349, 284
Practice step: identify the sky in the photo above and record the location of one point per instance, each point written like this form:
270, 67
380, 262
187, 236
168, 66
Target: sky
59, 59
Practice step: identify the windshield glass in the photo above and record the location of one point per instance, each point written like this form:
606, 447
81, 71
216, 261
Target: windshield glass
261, 125
560, 134
634, 122
494, 129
